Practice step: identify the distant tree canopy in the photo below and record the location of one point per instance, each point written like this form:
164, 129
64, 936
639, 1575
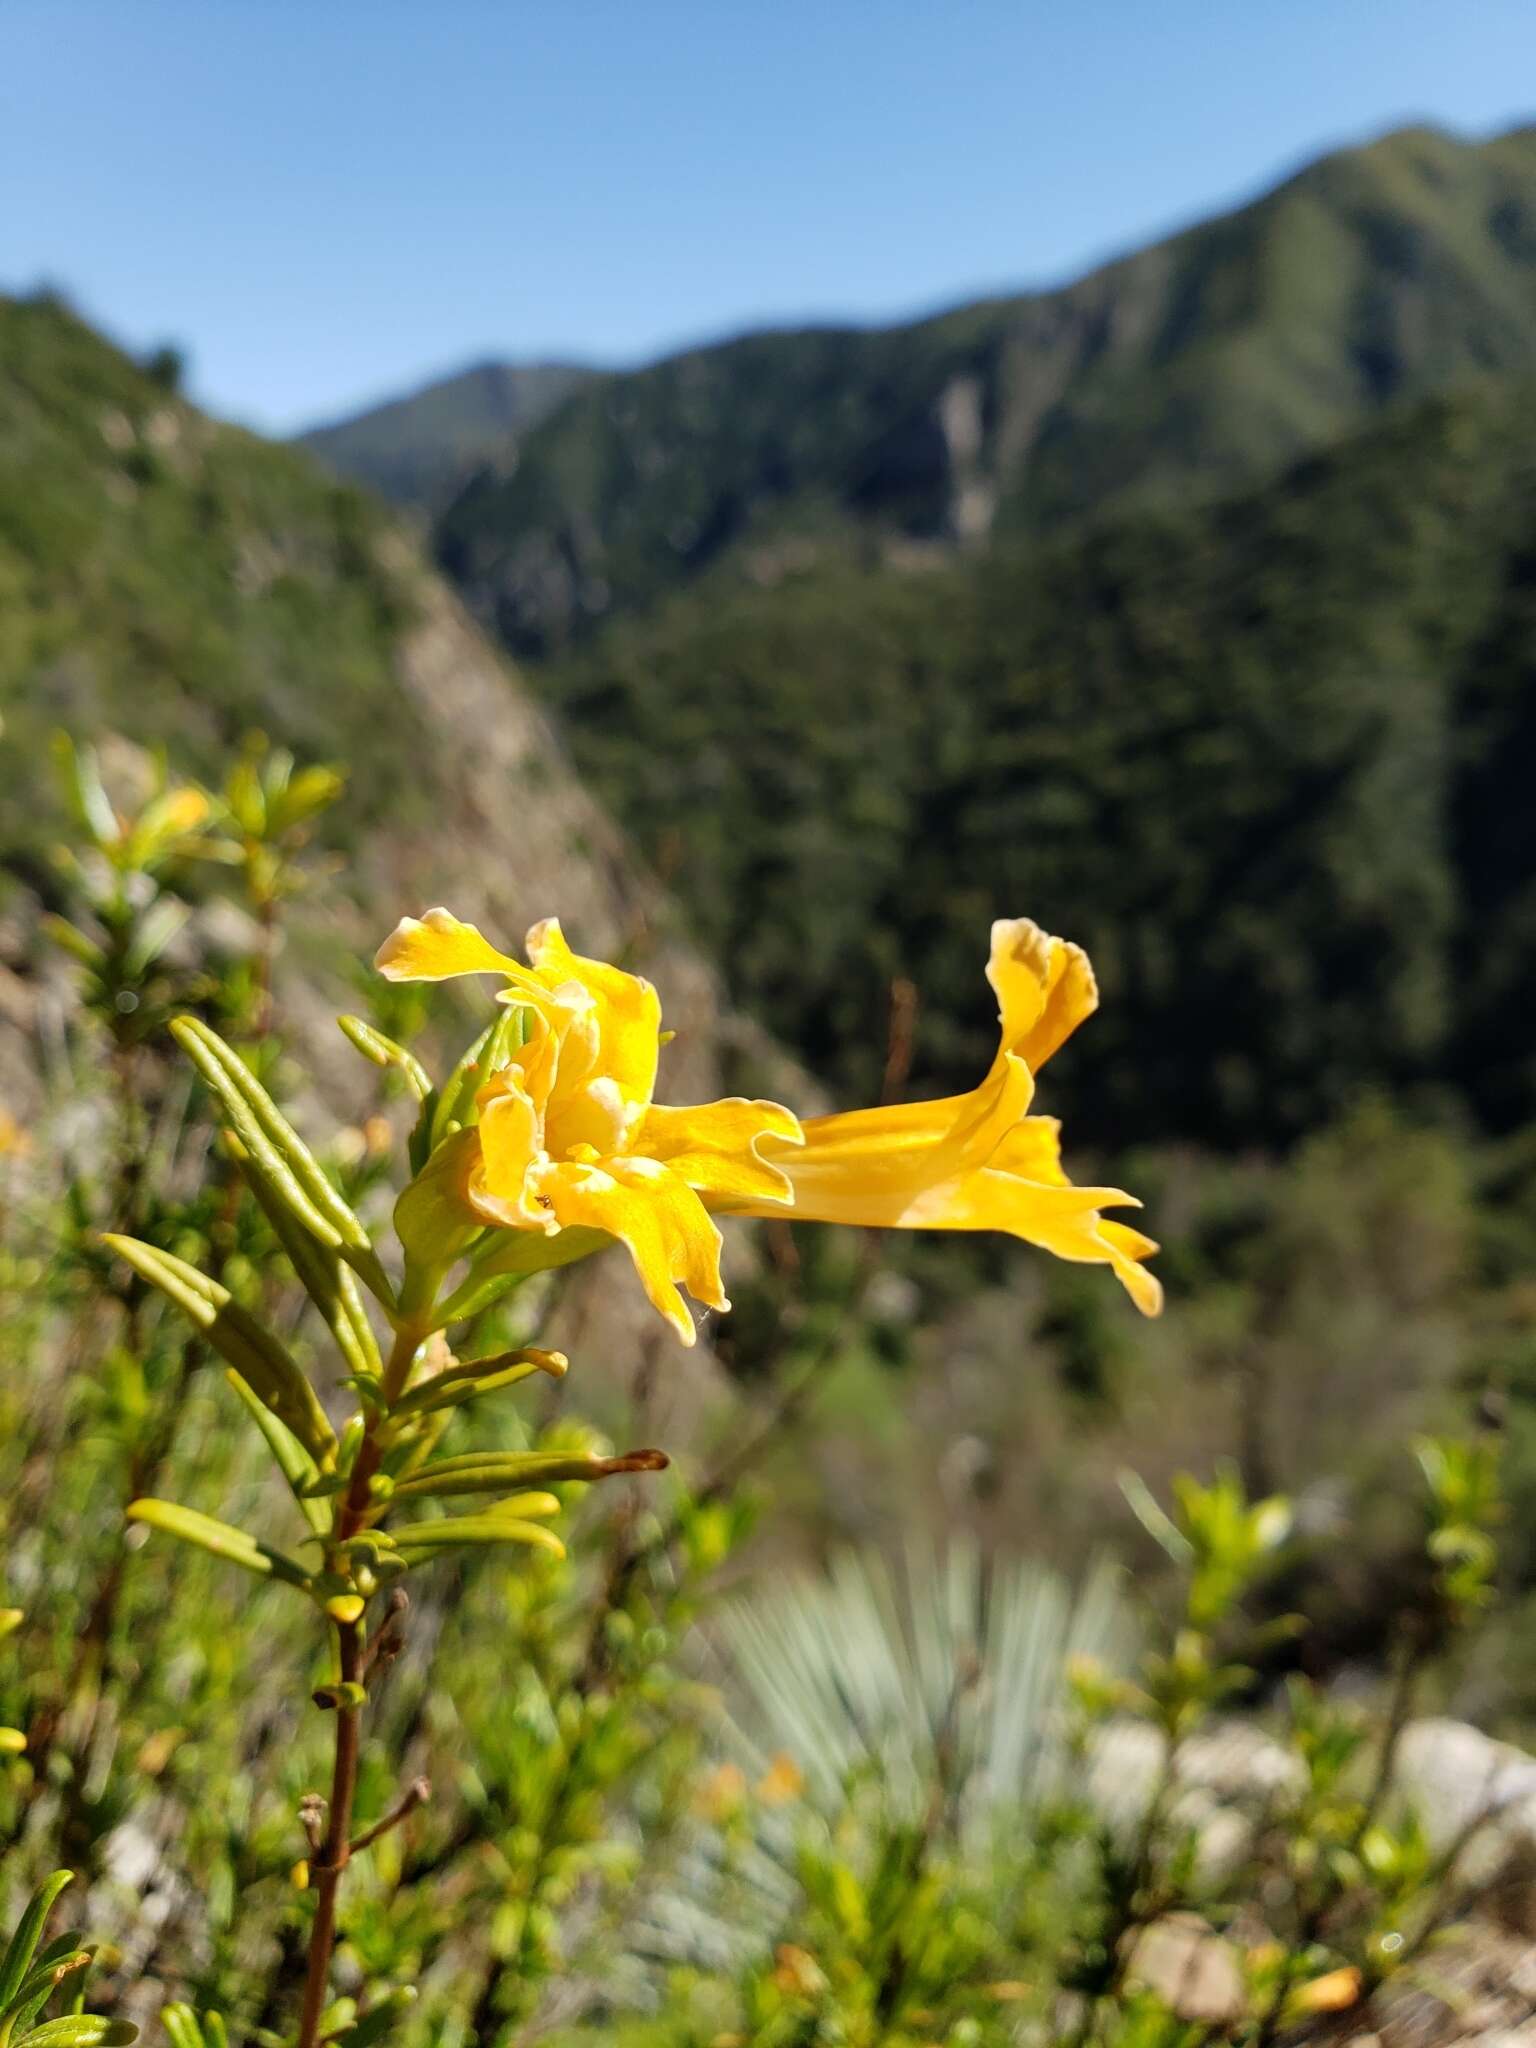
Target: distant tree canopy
1270, 761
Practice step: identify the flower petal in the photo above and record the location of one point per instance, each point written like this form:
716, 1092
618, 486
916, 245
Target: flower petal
658, 1217
867, 1166
505, 1187
1045, 988
439, 946
629, 1008
1056, 1216
713, 1146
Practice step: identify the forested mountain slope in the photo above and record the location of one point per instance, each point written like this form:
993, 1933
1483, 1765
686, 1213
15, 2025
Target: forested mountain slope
180, 582
1271, 759
1194, 367
418, 450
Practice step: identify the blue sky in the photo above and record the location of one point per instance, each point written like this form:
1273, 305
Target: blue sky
325, 201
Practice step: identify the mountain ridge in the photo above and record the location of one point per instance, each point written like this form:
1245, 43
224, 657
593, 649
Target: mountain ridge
1197, 364
416, 447
1263, 757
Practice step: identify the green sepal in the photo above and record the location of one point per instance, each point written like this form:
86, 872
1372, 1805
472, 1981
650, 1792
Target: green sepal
453, 1530
329, 1282
260, 1358
466, 1381
433, 1219
279, 1150
495, 1471
290, 1456
387, 1052
221, 1538
511, 1257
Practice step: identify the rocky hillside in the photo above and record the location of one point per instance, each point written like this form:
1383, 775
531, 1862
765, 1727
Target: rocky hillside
1194, 367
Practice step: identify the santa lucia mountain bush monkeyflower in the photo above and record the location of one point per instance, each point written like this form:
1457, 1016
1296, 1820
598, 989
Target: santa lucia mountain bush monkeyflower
541, 1146
560, 1148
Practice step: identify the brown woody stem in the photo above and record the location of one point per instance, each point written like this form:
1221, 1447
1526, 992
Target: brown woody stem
337, 1847
325, 1871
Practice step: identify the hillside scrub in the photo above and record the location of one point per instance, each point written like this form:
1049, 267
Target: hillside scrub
330, 1768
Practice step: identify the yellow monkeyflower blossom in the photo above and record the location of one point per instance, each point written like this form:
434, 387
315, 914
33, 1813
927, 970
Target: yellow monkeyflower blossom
978, 1161
568, 1137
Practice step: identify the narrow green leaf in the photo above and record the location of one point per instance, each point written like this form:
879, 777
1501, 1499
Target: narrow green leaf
221, 1538
330, 1284
29, 1929
266, 1134
260, 1358
466, 1381
181, 2027
387, 1052
415, 1445
281, 1152
311, 790
154, 933
495, 1471
41, 1982
75, 942
81, 776
292, 1460
426, 1537
81, 2030
61, 1946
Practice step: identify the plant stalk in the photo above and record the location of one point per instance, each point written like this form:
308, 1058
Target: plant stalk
336, 1849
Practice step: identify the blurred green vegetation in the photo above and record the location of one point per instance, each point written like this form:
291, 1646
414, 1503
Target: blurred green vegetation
178, 580
417, 451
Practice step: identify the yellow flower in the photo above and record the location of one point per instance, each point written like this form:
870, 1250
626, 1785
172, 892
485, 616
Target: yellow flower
568, 1136
977, 1161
